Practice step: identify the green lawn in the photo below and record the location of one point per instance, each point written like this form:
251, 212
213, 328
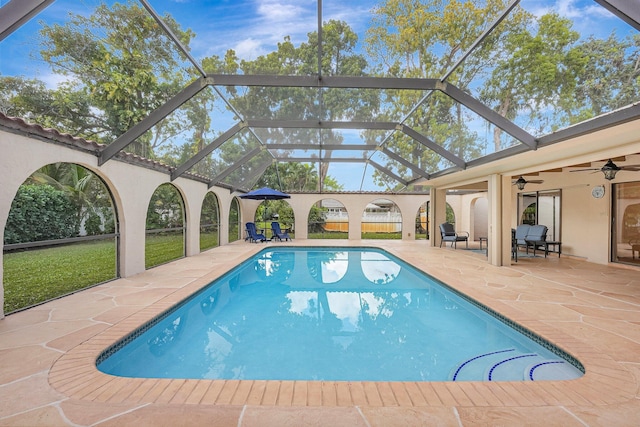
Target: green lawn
34, 276
329, 235
382, 236
208, 240
162, 248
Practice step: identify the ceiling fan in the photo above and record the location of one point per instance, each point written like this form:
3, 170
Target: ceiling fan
521, 182
610, 169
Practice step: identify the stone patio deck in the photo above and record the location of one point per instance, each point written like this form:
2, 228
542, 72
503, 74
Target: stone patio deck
48, 375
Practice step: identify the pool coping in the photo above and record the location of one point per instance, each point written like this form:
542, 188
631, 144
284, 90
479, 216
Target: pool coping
75, 375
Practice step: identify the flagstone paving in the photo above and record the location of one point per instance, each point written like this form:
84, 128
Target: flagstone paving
48, 375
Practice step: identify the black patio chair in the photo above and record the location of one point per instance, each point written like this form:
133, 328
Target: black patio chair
449, 234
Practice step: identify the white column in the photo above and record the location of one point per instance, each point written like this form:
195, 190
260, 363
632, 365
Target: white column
437, 214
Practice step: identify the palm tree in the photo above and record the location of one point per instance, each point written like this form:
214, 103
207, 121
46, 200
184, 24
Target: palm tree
87, 192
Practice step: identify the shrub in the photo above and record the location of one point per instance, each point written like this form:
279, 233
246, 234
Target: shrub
40, 212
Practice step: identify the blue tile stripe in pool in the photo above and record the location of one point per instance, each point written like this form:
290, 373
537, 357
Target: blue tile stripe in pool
533, 368
502, 362
462, 365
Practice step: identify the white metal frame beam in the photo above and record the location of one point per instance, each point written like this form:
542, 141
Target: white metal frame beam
17, 12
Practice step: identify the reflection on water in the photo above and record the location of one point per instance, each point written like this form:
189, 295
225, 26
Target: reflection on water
332, 266
275, 266
327, 267
209, 302
308, 315
378, 268
161, 342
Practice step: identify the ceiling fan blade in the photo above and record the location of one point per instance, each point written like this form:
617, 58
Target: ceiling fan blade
523, 181
584, 170
630, 168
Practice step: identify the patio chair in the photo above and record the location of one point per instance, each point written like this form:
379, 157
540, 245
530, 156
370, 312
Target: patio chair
278, 233
536, 238
521, 235
635, 247
449, 234
253, 234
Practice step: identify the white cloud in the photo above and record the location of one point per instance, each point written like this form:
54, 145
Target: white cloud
249, 49
570, 9
262, 24
52, 80
276, 11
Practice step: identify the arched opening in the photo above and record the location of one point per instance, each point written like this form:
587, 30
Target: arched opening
60, 236
165, 230
480, 222
234, 220
209, 222
381, 219
279, 211
527, 207
450, 215
328, 219
422, 222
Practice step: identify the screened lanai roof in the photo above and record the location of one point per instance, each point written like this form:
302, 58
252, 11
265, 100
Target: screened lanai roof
322, 95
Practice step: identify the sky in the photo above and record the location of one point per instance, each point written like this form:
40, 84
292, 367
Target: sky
254, 27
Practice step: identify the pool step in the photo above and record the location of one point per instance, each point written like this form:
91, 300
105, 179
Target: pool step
510, 365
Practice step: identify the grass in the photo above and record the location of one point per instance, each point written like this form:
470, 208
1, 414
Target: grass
382, 236
208, 240
162, 248
35, 276
38, 275
329, 235
345, 235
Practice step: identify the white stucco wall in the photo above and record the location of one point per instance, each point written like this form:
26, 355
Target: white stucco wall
585, 223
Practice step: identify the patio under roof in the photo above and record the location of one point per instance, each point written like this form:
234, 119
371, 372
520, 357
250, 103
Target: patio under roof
353, 126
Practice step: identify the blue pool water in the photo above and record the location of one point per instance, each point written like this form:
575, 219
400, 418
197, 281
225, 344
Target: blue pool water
333, 314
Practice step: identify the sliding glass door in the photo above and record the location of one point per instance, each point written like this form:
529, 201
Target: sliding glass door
625, 234
541, 207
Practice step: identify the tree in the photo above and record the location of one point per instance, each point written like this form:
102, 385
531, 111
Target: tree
610, 78
298, 177
339, 58
537, 76
533, 70
294, 177
165, 208
92, 202
411, 38
125, 74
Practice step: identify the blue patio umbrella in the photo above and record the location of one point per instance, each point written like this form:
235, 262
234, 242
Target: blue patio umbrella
265, 193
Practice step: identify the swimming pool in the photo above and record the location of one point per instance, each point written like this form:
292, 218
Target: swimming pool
333, 314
